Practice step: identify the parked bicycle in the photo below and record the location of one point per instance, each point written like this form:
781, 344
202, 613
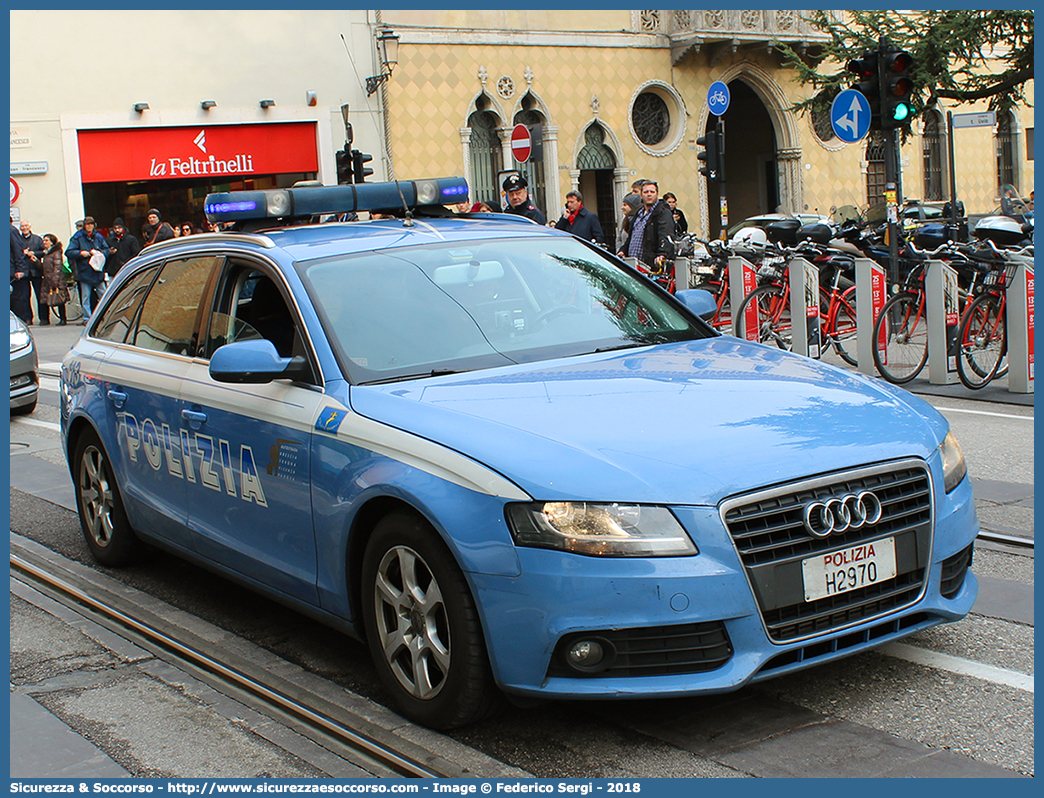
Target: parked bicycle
900, 334
983, 332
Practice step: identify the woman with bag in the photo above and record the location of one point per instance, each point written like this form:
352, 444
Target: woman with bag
53, 289
86, 254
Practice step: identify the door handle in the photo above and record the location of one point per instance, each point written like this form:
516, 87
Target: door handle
194, 418
117, 397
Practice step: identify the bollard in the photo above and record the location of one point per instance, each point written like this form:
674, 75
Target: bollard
871, 294
804, 308
743, 278
1019, 324
942, 308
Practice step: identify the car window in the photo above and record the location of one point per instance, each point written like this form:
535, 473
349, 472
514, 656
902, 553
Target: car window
168, 317
478, 304
118, 317
250, 306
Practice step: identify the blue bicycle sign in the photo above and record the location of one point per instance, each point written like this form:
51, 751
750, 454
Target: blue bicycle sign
718, 98
850, 116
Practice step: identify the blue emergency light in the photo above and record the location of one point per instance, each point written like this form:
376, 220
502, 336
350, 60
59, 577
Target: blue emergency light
228, 206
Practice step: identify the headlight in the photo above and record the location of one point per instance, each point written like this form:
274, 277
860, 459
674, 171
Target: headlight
607, 530
19, 339
954, 467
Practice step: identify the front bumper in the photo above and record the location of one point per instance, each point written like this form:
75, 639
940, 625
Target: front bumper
25, 382
559, 596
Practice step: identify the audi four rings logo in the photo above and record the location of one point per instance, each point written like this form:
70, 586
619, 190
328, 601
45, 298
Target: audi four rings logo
839, 514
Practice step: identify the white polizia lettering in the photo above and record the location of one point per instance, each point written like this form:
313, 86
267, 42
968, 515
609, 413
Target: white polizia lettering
190, 453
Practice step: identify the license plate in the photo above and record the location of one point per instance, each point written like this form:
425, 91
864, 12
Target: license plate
848, 569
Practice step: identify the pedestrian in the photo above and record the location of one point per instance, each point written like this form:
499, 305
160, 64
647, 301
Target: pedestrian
636, 186
627, 211
681, 224
19, 278
123, 246
155, 230
652, 227
32, 251
579, 221
517, 188
479, 207
55, 288
86, 254
187, 229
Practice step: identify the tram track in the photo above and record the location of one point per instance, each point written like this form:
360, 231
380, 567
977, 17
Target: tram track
372, 748
1016, 541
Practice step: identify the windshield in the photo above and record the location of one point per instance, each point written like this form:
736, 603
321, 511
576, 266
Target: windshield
460, 306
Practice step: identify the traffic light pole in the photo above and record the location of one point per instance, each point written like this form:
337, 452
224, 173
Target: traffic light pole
892, 187
723, 202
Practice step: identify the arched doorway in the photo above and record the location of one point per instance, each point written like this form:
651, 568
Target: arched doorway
751, 168
531, 114
485, 156
597, 166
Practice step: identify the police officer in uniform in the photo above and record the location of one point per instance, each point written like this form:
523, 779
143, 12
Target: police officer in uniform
518, 199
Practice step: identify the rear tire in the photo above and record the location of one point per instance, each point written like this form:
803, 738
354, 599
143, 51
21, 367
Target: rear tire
903, 323
844, 335
422, 626
102, 517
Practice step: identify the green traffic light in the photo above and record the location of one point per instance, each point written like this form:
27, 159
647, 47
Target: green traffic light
901, 112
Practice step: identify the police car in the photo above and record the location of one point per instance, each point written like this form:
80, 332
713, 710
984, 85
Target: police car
503, 457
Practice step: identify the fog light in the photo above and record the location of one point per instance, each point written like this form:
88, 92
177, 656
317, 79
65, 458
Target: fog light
585, 654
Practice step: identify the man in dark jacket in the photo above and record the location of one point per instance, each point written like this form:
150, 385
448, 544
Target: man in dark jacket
517, 188
155, 230
579, 221
122, 247
82, 245
652, 227
32, 251
19, 279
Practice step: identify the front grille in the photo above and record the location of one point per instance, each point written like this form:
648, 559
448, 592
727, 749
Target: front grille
768, 531
652, 650
954, 569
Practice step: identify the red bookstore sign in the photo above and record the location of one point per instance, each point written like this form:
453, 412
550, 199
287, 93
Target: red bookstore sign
165, 153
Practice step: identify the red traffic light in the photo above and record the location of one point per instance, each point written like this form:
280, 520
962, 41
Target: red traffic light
863, 67
898, 62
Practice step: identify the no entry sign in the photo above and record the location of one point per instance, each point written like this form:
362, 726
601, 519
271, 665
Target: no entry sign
521, 146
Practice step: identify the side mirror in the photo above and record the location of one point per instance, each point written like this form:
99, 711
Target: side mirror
256, 362
699, 302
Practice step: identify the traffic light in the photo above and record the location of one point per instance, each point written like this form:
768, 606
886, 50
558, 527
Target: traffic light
896, 89
713, 156
344, 167
868, 84
359, 172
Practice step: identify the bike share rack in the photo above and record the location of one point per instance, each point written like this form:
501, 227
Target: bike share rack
804, 302
743, 278
871, 295
943, 306
1019, 324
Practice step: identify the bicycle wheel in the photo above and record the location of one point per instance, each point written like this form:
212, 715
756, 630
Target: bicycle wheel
774, 325
901, 338
984, 341
840, 326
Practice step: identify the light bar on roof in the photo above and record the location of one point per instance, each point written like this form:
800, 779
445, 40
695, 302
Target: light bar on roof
228, 206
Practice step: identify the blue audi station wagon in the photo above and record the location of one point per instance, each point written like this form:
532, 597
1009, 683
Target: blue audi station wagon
505, 459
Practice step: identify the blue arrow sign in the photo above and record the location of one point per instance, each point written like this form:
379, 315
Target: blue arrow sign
718, 98
850, 116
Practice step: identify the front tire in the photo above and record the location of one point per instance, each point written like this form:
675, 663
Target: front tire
98, 503
903, 323
774, 325
422, 626
984, 342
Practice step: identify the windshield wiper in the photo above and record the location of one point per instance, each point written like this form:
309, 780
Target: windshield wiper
403, 377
